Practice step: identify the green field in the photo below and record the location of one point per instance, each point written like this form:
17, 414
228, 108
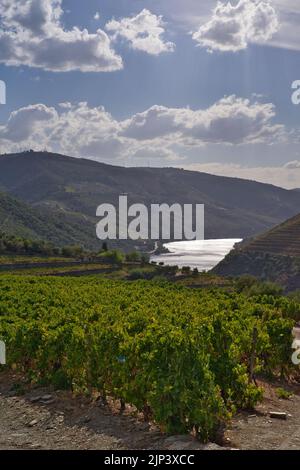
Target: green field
182, 356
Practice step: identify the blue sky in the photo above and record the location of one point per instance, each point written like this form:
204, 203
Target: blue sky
160, 83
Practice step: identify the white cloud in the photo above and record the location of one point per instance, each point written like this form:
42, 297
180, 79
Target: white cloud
23, 124
189, 14
282, 176
288, 35
233, 27
71, 129
231, 120
97, 16
32, 34
144, 32
158, 134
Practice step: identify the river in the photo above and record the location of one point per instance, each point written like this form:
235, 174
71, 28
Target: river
201, 254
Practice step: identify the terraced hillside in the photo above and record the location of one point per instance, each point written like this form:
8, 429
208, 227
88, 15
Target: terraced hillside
284, 239
273, 256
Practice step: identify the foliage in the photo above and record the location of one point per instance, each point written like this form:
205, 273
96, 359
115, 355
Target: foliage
186, 270
266, 288
180, 356
245, 282
283, 394
10, 244
74, 251
113, 256
133, 257
137, 274
251, 286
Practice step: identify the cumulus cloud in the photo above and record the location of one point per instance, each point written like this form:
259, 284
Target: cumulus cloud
231, 120
144, 32
24, 123
233, 27
157, 134
32, 34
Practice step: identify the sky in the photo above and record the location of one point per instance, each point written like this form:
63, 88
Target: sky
201, 85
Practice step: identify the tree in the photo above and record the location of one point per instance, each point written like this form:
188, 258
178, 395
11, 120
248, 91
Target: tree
133, 257
186, 270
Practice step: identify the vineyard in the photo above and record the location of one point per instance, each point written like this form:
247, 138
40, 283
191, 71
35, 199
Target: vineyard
185, 358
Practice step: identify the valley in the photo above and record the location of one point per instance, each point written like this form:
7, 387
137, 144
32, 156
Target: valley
61, 195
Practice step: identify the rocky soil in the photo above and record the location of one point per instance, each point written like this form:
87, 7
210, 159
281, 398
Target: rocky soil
258, 431
40, 418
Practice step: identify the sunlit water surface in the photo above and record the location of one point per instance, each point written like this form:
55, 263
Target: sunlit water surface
201, 254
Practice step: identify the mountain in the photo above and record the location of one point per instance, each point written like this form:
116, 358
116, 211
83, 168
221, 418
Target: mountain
274, 255
22, 220
72, 188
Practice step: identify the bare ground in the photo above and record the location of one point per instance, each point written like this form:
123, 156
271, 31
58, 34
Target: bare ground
39, 418
257, 431
43, 419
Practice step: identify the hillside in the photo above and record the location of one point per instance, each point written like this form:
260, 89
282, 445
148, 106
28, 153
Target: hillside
284, 239
73, 188
275, 256
22, 220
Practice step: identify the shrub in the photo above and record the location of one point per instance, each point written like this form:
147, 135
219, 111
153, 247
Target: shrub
133, 257
245, 282
186, 270
114, 256
283, 394
180, 356
137, 274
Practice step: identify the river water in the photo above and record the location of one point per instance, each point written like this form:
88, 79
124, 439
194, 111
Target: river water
201, 254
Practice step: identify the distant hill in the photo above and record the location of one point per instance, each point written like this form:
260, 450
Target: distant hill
72, 188
273, 256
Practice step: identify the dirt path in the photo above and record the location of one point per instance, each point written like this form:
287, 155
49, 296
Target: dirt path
43, 419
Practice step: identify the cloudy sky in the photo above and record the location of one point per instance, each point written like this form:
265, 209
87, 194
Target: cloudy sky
202, 85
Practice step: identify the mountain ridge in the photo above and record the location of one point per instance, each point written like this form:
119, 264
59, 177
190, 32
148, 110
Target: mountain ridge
74, 187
